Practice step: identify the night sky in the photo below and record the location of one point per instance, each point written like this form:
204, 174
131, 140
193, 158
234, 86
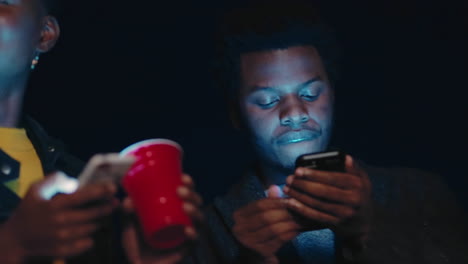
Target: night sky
123, 72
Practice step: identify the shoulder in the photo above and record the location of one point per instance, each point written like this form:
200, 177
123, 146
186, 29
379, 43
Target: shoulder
416, 212
51, 151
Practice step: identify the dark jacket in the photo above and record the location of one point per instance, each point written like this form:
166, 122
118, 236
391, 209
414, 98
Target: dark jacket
53, 157
415, 220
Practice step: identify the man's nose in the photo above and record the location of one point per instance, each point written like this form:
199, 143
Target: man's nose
293, 112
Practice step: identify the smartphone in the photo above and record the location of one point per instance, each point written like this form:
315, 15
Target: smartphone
100, 168
325, 161
105, 168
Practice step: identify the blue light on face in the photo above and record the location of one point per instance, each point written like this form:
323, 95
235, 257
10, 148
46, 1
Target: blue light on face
311, 93
287, 103
297, 136
264, 98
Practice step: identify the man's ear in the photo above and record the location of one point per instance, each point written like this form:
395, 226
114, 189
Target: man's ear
49, 34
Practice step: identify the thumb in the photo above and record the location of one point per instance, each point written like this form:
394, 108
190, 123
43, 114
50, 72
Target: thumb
274, 191
127, 205
54, 183
349, 164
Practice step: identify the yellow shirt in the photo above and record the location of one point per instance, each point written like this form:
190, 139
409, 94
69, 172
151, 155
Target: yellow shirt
15, 143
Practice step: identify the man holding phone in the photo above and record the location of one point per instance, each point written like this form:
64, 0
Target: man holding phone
276, 62
34, 228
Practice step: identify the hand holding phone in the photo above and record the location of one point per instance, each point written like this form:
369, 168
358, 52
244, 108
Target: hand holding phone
333, 193
100, 168
105, 168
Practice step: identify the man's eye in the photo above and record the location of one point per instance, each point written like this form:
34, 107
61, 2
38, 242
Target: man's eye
309, 98
310, 94
267, 104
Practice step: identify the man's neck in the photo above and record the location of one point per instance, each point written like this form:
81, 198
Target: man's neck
11, 103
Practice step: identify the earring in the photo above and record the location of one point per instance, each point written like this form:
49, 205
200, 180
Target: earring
35, 62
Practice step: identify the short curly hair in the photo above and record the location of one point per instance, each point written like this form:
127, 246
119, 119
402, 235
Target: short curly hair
265, 25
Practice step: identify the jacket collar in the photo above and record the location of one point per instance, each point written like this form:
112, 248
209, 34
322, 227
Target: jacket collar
46, 148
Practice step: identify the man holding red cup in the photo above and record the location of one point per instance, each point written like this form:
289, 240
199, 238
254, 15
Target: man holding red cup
139, 252
162, 207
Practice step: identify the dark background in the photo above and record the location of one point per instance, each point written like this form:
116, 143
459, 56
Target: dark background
124, 71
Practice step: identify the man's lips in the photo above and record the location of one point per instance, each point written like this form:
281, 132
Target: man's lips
297, 136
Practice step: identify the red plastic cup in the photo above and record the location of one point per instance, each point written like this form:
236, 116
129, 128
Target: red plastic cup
151, 183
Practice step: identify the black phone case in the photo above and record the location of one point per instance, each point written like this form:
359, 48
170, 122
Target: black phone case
325, 161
